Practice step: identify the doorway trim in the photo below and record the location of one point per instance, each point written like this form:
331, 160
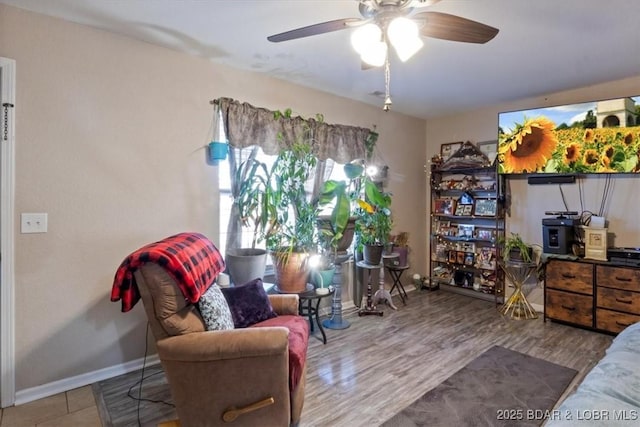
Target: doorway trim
7, 236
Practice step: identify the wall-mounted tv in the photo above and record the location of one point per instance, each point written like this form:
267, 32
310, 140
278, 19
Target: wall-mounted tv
592, 137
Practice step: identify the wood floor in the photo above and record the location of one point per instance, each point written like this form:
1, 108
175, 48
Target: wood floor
367, 373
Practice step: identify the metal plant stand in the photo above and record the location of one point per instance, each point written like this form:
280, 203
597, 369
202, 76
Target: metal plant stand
517, 305
336, 321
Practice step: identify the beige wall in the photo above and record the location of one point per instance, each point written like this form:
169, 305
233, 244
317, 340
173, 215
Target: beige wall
109, 142
529, 202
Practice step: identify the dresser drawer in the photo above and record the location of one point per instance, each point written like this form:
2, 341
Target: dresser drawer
569, 276
618, 277
613, 321
568, 307
616, 299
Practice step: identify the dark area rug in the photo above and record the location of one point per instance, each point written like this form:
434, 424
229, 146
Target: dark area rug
117, 409
500, 387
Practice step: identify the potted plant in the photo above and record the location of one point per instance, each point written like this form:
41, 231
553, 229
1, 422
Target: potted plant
247, 263
337, 229
515, 249
373, 223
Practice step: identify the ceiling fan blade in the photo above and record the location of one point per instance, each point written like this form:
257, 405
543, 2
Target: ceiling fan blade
450, 27
312, 30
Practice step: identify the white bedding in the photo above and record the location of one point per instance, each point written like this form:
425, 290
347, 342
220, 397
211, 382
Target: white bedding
609, 395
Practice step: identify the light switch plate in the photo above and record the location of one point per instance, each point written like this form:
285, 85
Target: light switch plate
33, 223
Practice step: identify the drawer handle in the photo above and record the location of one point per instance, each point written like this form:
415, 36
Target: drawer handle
623, 301
623, 279
568, 276
568, 308
622, 323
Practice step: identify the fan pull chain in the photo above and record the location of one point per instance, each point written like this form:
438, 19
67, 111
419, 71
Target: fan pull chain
387, 79
6, 106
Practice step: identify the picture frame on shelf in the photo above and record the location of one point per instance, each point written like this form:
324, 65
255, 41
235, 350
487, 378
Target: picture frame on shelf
489, 148
453, 256
469, 258
486, 258
486, 207
447, 149
466, 246
485, 234
467, 210
443, 227
466, 230
444, 206
460, 257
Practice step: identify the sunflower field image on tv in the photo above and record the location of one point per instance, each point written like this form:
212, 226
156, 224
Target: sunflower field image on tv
593, 137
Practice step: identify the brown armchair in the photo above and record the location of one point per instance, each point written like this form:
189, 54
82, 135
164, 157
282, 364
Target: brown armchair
237, 377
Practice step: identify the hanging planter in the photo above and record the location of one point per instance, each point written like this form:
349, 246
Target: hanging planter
218, 151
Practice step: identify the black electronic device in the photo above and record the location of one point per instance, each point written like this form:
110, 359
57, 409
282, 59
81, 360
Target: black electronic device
558, 233
551, 179
561, 213
624, 256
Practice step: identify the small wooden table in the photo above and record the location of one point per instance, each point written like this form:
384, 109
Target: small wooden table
370, 307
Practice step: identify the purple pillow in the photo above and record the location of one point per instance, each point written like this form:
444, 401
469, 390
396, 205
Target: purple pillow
249, 303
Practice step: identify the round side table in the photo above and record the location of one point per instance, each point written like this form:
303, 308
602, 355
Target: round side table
309, 304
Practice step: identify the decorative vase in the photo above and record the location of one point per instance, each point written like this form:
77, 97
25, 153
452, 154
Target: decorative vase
403, 252
291, 271
322, 278
245, 264
373, 254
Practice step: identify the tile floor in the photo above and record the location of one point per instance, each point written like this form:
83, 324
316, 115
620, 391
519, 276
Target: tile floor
73, 408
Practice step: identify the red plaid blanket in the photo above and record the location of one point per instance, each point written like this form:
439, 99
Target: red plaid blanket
190, 258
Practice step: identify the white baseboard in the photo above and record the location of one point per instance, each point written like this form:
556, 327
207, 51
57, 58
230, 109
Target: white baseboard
66, 384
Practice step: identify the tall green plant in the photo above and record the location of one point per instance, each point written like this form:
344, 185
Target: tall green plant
373, 223
253, 199
342, 195
293, 220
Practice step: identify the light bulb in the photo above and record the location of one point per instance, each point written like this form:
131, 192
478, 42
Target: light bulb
375, 55
364, 36
403, 35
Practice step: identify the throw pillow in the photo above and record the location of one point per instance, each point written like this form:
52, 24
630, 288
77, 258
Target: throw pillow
249, 303
215, 310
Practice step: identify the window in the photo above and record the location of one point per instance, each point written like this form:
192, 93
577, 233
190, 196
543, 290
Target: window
226, 199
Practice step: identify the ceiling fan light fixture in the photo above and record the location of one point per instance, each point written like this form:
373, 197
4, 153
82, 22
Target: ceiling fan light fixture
403, 35
364, 36
375, 54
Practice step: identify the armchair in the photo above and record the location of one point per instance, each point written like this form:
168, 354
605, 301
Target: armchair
236, 377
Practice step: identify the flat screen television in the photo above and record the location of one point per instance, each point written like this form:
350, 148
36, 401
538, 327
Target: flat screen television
592, 137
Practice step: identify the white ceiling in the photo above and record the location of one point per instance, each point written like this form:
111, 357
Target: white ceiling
543, 46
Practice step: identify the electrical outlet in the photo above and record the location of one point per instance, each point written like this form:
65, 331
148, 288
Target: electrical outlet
33, 223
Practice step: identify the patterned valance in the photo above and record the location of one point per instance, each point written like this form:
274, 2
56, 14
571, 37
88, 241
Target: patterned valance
246, 125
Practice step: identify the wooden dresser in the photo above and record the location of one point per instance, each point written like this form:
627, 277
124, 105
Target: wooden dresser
592, 294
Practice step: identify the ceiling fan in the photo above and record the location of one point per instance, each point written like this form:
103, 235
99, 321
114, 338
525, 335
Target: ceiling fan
393, 22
